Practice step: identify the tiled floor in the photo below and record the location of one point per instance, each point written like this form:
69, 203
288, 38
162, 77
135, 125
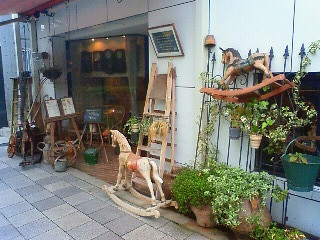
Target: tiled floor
38, 203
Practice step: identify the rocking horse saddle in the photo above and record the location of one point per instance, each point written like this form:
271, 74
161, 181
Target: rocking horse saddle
132, 162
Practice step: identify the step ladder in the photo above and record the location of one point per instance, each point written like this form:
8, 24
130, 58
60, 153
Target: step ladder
19, 90
159, 105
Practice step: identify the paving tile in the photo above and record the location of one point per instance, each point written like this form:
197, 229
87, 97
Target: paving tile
56, 186
66, 192
144, 232
38, 196
123, 224
154, 222
61, 174
79, 174
36, 174
18, 181
6, 169
96, 182
26, 217
18, 238
3, 221
196, 236
16, 178
56, 234
9, 197
59, 211
106, 214
81, 184
91, 206
29, 190
78, 198
8, 232
167, 237
87, 231
46, 167
9, 174
72, 220
3, 165
16, 209
3, 185
48, 203
109, 236
176, 231
69, 178
48, 180
37, 227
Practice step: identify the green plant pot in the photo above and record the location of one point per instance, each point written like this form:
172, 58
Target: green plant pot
91, 156
301, 177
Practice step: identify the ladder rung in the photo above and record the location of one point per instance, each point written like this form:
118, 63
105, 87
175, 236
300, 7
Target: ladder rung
160, 142
156, 115
150, 149
157, 157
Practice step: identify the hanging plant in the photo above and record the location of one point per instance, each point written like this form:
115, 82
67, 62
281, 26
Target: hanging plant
51, 73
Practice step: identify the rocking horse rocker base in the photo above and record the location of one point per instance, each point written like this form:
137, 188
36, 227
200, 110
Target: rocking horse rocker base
147, 168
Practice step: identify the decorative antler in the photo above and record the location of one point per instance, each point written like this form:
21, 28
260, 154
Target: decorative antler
222, 49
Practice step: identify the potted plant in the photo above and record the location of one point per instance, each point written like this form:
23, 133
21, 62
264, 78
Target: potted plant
232, 112
189, 190
256, 120
51, 73
301, 170
228, 191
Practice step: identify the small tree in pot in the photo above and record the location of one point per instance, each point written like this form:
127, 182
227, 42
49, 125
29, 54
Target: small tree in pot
232, 113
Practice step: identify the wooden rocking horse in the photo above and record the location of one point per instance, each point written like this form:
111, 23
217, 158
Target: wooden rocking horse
147, 168
235, 66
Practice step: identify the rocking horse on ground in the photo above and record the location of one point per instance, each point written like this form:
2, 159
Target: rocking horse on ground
236, 66
147, 168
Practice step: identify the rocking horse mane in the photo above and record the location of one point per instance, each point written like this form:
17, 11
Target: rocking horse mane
234, 52
121, 140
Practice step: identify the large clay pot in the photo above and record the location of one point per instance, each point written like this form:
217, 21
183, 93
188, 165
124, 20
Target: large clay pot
255, 140
203, 215
252, 208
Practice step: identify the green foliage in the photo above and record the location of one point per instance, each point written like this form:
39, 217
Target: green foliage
143, 124
297, 158
232, 113
225, 187
189, 189
256, 118
275, 233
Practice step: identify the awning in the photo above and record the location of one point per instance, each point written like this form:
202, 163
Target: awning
26, 7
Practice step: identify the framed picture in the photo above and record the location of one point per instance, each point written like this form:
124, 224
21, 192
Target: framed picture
67, 106
52, 108
165, 41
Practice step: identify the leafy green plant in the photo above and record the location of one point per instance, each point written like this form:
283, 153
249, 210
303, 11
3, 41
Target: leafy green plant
275, 233
256, 118
297, 158
142, 124
225, 187
232, 113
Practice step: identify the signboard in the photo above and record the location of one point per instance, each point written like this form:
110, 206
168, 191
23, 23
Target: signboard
93, 115
165, 41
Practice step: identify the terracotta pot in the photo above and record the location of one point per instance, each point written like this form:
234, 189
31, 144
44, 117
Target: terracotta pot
167, 184
255, 140
252, 208
203, 215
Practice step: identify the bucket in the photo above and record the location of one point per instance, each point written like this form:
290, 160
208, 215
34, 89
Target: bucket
60, 165
234, 133
91, 156
301, 177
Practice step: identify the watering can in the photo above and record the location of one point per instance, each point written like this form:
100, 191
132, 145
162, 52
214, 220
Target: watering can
60, 164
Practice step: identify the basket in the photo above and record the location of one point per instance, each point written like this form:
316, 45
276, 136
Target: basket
301, 177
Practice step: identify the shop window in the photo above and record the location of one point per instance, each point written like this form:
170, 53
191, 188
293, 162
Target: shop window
107, 72
309, 92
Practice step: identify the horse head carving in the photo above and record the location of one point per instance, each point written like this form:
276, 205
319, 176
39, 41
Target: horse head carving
236, 66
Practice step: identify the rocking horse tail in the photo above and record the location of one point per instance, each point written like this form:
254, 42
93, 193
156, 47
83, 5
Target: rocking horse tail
155, 171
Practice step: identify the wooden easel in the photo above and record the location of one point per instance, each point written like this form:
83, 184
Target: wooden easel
56, 120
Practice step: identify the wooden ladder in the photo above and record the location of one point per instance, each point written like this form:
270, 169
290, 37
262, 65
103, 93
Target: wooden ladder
159, 105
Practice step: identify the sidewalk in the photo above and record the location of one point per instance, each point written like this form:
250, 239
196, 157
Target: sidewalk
38, 203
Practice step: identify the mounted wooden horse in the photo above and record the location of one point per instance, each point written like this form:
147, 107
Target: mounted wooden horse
237, 66
147, 168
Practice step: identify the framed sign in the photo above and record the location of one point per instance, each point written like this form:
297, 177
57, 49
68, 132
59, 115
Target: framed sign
52, 108
165, 41
67, 106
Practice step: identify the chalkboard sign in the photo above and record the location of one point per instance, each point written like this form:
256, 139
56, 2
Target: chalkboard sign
165, 41
92, 115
